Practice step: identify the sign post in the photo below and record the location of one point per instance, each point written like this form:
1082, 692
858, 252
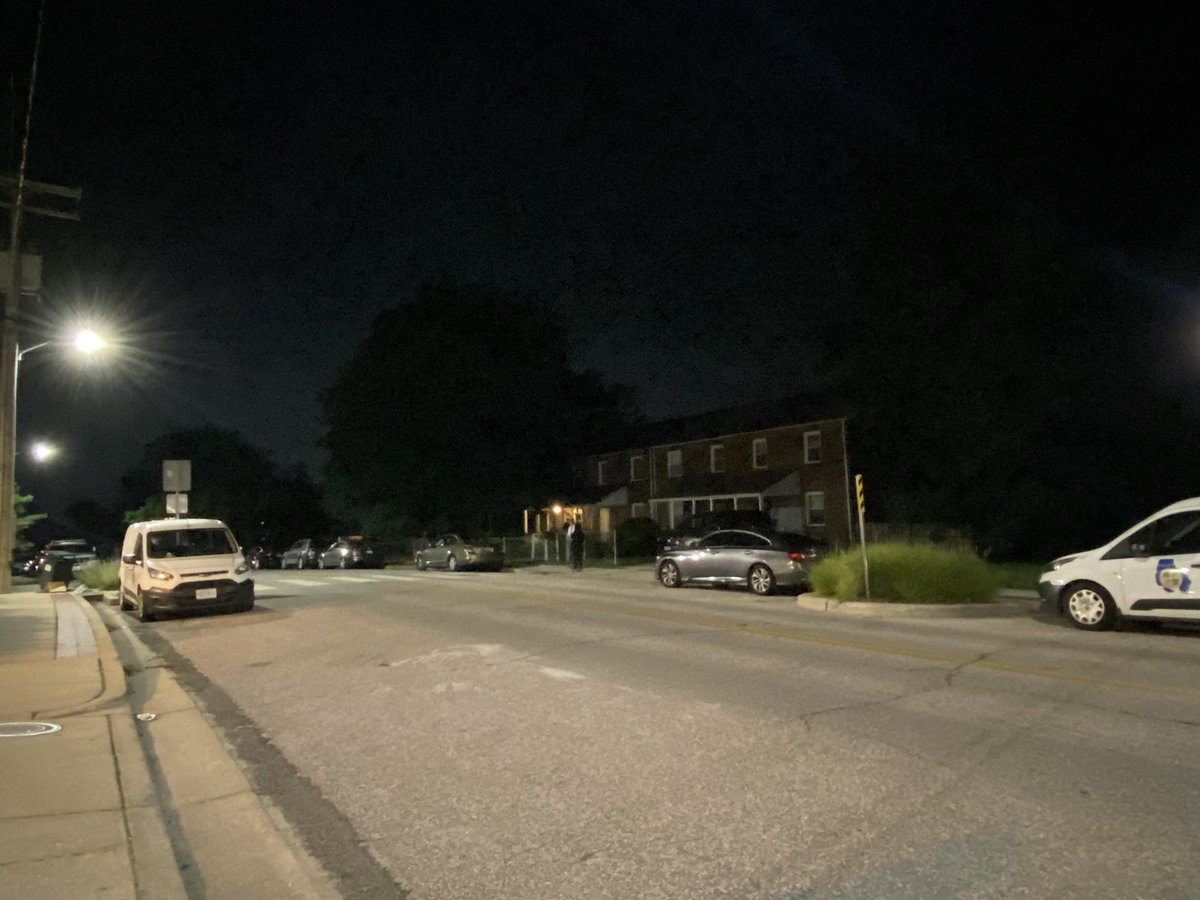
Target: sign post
862, 531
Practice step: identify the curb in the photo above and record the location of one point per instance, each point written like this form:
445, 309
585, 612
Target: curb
1008, 606
224, 839
112, 673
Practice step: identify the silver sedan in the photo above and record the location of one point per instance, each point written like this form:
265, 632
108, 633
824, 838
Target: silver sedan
760, 560
451, 552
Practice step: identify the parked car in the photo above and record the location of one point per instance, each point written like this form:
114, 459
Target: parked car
176, 565
262, 558
23, 565
449, 551
693, 528
1145, 572
350, 553
301, 555
77, 550
761, 560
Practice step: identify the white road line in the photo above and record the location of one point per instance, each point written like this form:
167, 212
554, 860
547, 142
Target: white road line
303, 582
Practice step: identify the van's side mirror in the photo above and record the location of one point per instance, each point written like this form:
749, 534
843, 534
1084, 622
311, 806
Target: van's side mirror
129, 559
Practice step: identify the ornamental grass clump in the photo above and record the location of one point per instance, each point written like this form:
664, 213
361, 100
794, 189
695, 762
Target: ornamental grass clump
909, 573
100, 576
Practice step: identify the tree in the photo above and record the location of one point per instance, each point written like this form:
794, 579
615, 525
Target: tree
232, 481
463, 405
95, 522
23, 519
999, 376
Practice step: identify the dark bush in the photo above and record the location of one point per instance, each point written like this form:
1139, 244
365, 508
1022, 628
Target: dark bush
637, 537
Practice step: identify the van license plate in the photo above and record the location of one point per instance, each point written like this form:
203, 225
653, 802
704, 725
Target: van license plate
206, 593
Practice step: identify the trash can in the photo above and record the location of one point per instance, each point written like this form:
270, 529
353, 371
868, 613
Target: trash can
56, 568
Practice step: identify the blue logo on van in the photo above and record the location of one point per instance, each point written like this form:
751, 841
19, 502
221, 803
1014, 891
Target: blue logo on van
1171, 578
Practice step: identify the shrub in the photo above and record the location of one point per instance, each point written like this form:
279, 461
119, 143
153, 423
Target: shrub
637, 537
909, 573
100, 576
1023, 576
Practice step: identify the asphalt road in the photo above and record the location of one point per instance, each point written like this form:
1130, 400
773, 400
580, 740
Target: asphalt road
525, 735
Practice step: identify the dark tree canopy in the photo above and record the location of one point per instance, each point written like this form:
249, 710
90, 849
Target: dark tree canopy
461, 407
1002, 378
232, 481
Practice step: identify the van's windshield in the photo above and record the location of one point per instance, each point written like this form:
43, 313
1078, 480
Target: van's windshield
189, 542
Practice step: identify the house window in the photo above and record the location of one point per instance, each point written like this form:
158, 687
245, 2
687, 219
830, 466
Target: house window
812, 446
640, 510
602, 472
814, 508
716, 457
758, 453
637, 468
674, 463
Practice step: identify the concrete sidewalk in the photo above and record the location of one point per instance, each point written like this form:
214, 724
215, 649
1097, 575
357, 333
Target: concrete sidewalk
111, 806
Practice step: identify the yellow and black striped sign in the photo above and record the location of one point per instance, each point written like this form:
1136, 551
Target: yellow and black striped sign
862, 496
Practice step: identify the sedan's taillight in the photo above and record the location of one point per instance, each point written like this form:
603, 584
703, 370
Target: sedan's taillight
800, 556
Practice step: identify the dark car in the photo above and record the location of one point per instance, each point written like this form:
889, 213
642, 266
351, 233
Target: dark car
262, 558
23, 565
301, 555
760, 560
351, 553
690, 530
78, 551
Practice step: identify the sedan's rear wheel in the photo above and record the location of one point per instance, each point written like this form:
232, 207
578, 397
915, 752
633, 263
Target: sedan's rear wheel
668, 574
1090, 607
762, 579
452, 563
421, 564
342, 563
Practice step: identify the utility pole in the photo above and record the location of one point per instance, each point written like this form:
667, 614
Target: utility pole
8, 323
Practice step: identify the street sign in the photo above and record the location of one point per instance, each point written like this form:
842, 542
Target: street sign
177, 504
862, 532
177, 475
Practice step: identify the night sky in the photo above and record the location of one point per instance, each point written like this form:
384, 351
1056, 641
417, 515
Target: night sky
684, 182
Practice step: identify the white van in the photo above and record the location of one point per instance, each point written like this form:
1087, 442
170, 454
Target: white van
1144, 573
175, 565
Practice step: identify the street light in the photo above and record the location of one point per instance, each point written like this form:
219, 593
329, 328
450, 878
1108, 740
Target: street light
41, 451
86, 342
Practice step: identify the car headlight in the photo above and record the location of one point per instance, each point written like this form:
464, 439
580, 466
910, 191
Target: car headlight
159, 574
1062, 561
242, 569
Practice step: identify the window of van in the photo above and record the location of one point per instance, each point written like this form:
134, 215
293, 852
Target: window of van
189, 542
1176, 533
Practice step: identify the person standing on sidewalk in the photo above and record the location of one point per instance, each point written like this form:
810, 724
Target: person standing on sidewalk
575, 536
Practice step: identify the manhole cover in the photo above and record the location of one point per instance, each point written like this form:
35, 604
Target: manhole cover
27, 729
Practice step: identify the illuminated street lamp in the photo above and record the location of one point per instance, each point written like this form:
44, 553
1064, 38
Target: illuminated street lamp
43, 452
86, 342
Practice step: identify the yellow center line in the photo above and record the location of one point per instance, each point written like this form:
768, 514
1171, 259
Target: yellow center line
948, 659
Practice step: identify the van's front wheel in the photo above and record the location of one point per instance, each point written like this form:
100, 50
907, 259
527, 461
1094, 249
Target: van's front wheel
1090, 607
141, 609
